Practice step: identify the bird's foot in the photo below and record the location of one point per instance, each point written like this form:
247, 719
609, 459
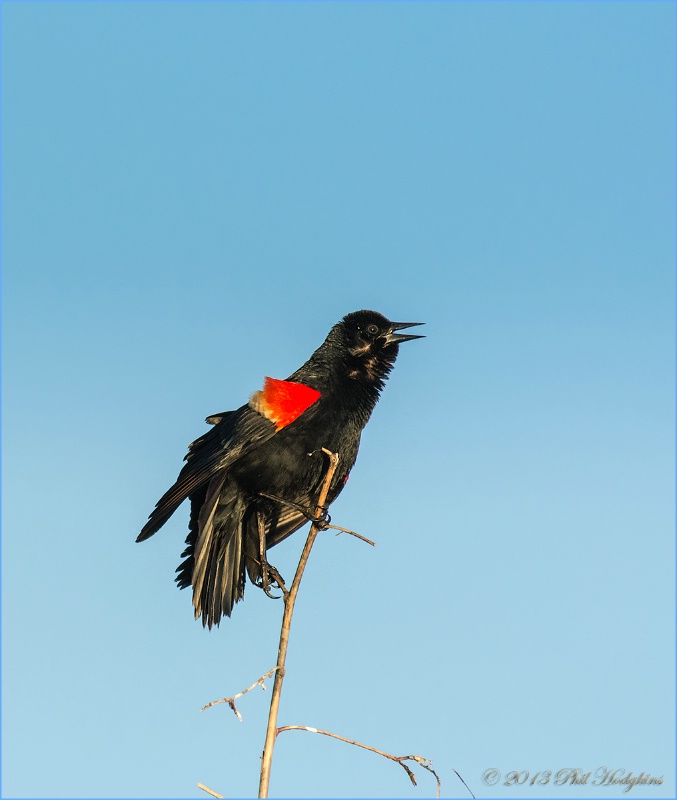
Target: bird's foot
270, 579
322, 519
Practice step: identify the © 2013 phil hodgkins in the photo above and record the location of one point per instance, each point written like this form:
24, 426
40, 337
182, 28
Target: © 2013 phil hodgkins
606, 777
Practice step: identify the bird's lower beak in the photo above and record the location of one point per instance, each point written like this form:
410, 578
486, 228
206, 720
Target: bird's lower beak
396, 338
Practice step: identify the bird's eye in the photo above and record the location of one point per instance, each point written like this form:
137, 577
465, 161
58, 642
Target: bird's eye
372, 329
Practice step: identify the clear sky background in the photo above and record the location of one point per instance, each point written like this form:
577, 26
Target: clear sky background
193, 193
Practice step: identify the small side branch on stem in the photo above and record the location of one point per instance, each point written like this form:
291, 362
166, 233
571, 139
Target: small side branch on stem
352, 533
321, 519
422, 762
231, 700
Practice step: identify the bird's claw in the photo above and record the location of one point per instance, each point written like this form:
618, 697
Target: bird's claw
270, 578
266, 589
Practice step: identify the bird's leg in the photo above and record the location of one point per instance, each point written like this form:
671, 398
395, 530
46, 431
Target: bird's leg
269, 574
322, 519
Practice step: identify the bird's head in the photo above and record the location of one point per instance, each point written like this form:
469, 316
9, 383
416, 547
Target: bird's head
370, 342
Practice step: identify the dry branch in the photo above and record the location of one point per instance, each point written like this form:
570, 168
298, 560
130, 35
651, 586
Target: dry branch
272, 731
422, 762
209, 791
352, 533
231, 700
289, 600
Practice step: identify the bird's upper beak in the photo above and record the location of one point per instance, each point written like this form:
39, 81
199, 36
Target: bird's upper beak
396, 338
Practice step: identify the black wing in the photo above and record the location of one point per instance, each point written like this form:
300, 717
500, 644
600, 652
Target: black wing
235, 434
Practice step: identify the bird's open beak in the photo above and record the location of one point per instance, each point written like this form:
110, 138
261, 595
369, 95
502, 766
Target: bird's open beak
396, 338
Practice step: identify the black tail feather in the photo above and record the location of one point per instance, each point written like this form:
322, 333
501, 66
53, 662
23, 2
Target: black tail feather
214, 557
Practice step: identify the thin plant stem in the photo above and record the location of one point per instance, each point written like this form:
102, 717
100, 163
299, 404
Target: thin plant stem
289, 601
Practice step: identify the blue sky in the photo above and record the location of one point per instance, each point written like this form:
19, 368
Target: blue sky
193, 193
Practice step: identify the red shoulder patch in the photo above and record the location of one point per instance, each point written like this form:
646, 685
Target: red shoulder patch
283, 401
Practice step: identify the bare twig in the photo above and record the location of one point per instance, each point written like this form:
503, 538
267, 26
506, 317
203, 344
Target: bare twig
352, 533
324, 525
422, 762
289, 600
231, 700
464, 783
209, 791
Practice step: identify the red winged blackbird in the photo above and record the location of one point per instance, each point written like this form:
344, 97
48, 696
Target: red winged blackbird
272, 448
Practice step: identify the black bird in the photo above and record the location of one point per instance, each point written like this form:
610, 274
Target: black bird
272, 448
